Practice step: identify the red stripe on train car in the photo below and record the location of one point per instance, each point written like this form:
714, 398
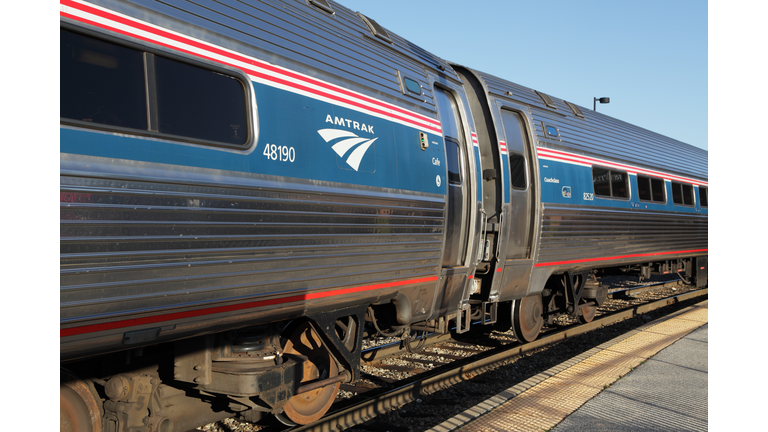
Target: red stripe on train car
383, 108
562, 156
586, 260
72, 331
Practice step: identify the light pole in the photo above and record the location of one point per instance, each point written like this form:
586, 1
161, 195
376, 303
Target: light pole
601, 100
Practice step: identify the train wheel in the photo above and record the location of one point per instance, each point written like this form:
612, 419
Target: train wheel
308, 407
527, 318
79, 410
587, 314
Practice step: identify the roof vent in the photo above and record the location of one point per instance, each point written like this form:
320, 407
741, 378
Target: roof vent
576, 111
547, 100
322, 4
375, 28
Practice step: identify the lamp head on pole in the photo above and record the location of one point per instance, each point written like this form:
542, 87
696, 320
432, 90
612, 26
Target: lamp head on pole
601, 100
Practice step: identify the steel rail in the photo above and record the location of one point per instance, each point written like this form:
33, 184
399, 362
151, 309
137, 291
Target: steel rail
631, 292
393, 348
459, 371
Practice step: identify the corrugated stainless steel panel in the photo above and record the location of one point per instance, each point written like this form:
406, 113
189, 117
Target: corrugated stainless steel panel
135, 248
295, 35
609, 138
602, 136
571, 233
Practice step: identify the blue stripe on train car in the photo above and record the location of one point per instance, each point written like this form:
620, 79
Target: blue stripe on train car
505, 175
564, 183
479, 177
369, 151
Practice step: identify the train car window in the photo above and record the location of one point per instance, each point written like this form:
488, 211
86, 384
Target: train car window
552, 131
576, 111
199, 103
659, 190
517, 171
101, 83
376, 29
687, 194
105, 84
600, 181
453, 157
650, 189
677, 193
546, 99
644, 188
703, 196
322, 5
610, 183
682, 194
619, 184
412, 86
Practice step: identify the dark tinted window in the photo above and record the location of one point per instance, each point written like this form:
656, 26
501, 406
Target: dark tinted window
619, 184
703, 196
687, 194
452, 154
650, 189
517, 170
101, 83
610, 183
323, 5
659, 190
682, 194
412, 86
197, 102
110, 84
575, 109
600, 181
644, 188
677, 193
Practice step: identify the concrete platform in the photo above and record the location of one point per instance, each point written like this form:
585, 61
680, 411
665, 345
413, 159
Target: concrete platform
666, 393
652, 379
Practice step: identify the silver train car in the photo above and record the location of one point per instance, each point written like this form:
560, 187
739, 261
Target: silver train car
249, 189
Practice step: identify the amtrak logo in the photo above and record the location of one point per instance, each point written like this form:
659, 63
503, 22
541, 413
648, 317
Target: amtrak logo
348, 141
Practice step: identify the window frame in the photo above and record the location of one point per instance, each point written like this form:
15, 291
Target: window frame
249, 100
576, 111
650, 183
406, 91
682, 194
548, 135
460, 161
546, 99
377, 31
525, 170
610, 183
322, 5
704, 203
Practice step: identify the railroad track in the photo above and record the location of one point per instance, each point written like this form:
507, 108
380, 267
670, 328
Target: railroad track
462, 360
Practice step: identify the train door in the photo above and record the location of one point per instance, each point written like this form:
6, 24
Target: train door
458, 179
462, 223
520, 187
516, 246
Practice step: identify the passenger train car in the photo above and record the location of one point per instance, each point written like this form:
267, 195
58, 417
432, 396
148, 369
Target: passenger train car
250, 188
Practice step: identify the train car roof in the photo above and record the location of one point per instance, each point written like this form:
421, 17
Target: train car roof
591, 133
319, 38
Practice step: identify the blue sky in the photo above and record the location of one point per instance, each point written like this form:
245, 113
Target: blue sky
649, 57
